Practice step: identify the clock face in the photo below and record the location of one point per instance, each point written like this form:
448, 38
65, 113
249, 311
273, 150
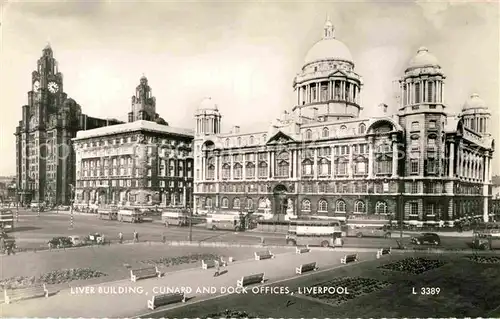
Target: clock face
36, 86
53, 87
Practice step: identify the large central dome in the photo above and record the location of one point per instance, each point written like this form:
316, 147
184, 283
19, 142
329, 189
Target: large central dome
328, 48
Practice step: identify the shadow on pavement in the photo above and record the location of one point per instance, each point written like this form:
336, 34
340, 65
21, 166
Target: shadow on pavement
25, 228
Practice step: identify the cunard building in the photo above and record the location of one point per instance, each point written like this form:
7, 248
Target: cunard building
144, 162
321, 158
45, 157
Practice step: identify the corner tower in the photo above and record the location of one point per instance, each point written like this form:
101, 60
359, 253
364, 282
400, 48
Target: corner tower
143, 103
327, 88
422, 114
208, 118
476, 115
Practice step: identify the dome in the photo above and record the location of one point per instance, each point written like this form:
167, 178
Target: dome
208, 104
474, 102
423, 59
328, 48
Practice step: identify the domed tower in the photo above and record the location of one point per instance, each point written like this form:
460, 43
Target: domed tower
208, 118
476, 115
422, 114
327, 87
143, 103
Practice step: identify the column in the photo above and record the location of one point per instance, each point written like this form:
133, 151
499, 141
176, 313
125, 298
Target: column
421, 91
256, 163
332, 161
451, 163
290, 164
489, 169
424, 90
370, 157
269, 164
231, 174
342, 90
244, 169
202, 167
351, 92
315, 164
216, 173
330, 90
349, 168
394, 157
299, 163
318, 95
184, 204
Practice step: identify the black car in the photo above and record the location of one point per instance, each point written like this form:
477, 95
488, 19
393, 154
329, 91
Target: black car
427, 239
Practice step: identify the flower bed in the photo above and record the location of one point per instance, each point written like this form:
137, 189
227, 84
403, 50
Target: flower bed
355, 286
51, 278
414, 265
180, 260
484, 259
228, 314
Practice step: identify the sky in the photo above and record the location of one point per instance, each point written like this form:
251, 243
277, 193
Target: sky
242, 54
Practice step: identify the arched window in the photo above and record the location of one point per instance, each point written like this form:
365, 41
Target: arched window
325, 133
359, 207
251, 141
239, 141
343, 129
282, 169
322, 206
226, 143
249, 203
262, 203
309, 135
381, 207
262, 169
361, 128
340, 206
236, 203
225, 202
208, 202
211, 172
250, 170
306, 205
307, 167
238, 171
226, 171
324, 167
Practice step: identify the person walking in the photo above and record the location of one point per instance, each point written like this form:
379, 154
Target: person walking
120, 237
136, 237
217, 269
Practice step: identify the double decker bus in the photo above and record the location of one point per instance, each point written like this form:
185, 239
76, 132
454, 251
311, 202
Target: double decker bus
234, 222
6, 220
313, 232
130, 215
175, 217
108, 214
368, 226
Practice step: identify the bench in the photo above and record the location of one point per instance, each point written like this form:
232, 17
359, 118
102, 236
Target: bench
302, 249
383, 251
266, 254
165, 299
305, 268
143, 273
349, 258
209, 264
250, 280
35, 291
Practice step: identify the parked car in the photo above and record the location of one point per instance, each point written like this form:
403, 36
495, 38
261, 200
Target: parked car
95, 238
60, 242
75, 240
426, 239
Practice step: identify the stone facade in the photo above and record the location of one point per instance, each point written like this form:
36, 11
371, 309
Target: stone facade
44, 154
140, 163
420, 164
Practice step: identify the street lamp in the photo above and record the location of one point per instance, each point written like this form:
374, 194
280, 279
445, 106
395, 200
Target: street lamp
400, 207
72, 187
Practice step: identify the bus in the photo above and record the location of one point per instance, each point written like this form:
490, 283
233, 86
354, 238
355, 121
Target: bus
313, 232
175, 217
226, 221
485, 240
130, 215
6, 220
368, 226
108, 214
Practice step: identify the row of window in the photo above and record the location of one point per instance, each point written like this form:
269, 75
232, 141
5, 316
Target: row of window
134, 138
130, 183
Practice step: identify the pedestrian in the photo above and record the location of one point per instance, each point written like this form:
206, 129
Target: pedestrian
136, 237
163, 238
217, 269
120, 237
262, 240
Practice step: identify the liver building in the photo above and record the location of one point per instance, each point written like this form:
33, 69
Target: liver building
44, 154
321, 158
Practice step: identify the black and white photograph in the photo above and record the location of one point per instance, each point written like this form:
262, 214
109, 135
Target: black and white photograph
249, 159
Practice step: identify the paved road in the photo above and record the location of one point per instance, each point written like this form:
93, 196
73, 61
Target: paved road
32, 231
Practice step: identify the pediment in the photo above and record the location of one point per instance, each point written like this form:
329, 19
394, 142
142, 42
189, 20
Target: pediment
280, 138
338, 72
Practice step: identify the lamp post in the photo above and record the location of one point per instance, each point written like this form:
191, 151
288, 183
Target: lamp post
17, 204
401, 207
71, 201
